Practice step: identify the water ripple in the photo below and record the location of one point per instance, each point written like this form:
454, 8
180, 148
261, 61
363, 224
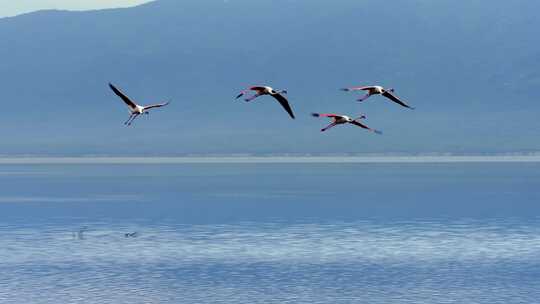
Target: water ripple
360, 262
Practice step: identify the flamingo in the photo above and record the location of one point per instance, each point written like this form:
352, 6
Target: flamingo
378, 90
265, 90
342, 119
134, 109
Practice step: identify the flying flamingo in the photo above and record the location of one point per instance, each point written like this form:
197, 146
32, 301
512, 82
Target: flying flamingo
342, 119
134, 109
264, 90
378, 90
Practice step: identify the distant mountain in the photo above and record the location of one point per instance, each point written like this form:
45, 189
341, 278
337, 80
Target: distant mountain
472, 69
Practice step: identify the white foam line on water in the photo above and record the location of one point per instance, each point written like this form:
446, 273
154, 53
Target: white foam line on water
266, 159
99, 198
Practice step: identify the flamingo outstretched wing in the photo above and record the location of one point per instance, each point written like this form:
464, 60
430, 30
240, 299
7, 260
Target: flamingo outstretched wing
354, 122
395, 99
284, 103
126, 99
159, 105
364, 88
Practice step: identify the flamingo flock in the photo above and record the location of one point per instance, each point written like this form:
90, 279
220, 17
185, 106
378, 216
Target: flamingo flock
279, 95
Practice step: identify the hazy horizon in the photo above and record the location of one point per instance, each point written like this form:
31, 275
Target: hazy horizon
470, 69
270, 159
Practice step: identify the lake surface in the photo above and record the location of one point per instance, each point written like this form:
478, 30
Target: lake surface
270, 233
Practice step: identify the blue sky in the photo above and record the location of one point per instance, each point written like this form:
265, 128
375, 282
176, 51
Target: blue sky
12, 8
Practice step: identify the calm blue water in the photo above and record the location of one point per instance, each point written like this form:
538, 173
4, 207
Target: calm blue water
273, 233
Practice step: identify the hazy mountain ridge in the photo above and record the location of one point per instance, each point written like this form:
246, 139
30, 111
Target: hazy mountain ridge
466, 66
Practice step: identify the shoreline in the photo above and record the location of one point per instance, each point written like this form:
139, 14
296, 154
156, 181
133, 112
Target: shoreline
265, 160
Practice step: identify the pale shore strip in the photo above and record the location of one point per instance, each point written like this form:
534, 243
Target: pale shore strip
265, 160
